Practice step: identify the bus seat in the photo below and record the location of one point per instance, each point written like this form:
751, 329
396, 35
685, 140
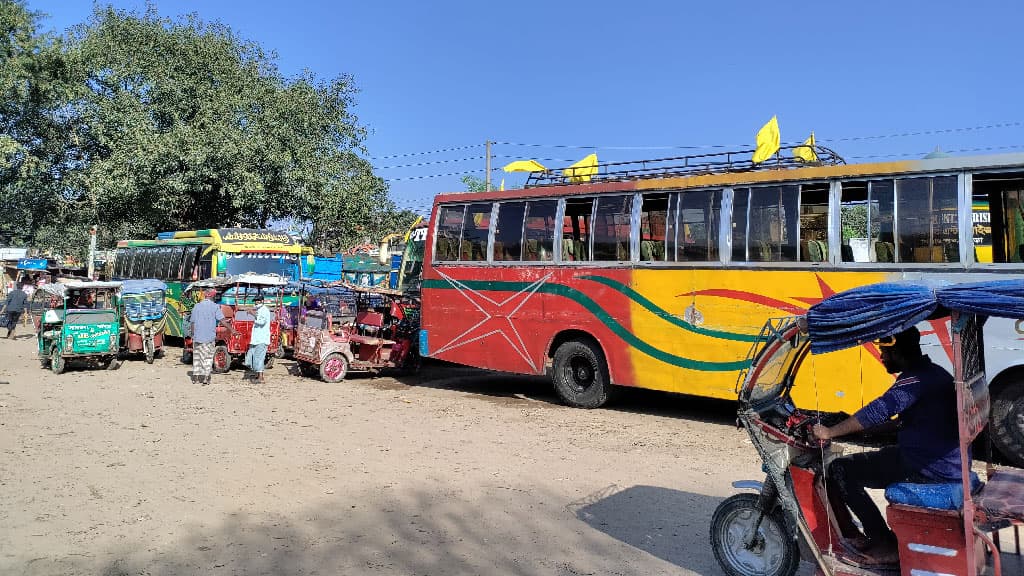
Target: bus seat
542, 252
884, 252
499, 251
621, 251
479, 251
581, 250
764, 251
659, 250
444, 248
531, 252
818, 250
846, 252
805, 250
568, 250
646, 250
466, 251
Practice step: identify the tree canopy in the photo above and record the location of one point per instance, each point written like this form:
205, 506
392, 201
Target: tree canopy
141, 123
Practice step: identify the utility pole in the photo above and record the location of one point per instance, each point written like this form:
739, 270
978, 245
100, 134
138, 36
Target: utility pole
92, 251
488, 178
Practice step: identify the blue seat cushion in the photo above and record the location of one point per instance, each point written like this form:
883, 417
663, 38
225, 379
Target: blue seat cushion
938, 496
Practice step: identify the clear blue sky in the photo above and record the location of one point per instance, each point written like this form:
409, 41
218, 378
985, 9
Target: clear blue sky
621, 78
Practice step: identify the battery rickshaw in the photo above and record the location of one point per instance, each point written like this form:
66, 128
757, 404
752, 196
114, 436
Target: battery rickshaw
381, 335
235, 295
80, 322
144, 307
946, 529
333, 298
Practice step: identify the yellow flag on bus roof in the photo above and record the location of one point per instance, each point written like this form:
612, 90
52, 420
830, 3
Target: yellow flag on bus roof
524, 166
767, 141
582, 170
806, 151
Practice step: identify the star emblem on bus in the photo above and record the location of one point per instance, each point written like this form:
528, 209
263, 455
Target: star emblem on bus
497, 317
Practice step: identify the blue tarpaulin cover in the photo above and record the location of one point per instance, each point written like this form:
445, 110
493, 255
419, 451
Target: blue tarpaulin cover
142, 286
874, 311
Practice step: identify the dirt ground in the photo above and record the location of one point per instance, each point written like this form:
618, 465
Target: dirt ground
453, 471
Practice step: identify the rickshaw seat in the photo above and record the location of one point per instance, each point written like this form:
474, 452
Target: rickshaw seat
52, 317
1003, 495
937, 496
229, 312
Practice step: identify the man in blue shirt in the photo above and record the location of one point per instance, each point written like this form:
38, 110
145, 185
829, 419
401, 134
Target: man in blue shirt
14, 305
259, 341
205, 317
921, 404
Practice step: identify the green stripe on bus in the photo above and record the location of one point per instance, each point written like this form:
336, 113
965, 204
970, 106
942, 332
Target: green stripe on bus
667, 316
602, 315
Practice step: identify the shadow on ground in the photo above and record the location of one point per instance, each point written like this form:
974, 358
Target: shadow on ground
639, 530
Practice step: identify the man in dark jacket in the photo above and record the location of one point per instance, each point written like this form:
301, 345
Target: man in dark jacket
922, 406
14, 305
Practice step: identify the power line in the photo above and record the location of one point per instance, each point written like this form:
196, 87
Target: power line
428, 163
438, 151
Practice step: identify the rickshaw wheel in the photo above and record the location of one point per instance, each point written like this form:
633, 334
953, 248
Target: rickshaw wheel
150, 353
333, 368
268, 362
57, 361
774, 552
580, 374
221, 359
112, 363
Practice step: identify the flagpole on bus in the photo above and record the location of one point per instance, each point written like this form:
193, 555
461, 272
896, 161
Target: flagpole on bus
487, 144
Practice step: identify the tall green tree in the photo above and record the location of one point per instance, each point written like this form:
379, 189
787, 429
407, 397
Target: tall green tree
35, 127
141, 123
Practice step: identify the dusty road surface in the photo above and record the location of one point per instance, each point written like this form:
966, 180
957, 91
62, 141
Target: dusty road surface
139, 472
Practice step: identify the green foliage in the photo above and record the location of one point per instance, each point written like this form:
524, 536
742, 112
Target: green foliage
142, 123
474, 184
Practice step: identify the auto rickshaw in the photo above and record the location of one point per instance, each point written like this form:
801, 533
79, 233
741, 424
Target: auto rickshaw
235, 295
382, 335
80, 321
144, 309
334, 298
941, 529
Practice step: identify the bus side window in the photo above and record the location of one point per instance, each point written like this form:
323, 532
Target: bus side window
539, 228
927, 226
771, 234
449, 232
611, 228
998, 218
508, 232
474, 232
814, 222
576, 228
653, 220
694, 223
866, 218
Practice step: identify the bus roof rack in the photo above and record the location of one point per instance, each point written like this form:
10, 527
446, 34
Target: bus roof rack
691, 165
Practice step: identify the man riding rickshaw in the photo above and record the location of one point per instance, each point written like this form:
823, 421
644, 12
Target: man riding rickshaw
942, 517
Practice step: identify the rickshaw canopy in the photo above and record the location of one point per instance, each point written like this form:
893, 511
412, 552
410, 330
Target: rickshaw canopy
61, 289
225, 282
142, 286
867, 313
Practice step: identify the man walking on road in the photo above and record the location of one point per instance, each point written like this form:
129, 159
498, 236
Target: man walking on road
205, 317
256, 356
14, 305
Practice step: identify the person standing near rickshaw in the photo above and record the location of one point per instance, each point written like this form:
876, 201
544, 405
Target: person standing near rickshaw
921, 405
14, 306
259, 341
205, 317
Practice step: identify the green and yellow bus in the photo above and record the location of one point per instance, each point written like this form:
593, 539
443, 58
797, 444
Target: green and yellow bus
179, 258
659, 274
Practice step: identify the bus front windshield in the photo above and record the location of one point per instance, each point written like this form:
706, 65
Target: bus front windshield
286, 265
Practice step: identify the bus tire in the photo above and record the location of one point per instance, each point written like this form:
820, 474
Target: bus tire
580, 374
221, 359
1007, 421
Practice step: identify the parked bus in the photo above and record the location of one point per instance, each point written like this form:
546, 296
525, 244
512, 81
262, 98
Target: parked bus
659, 274
179, 258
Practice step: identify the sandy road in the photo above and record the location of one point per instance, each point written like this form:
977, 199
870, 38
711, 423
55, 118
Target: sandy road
452, 471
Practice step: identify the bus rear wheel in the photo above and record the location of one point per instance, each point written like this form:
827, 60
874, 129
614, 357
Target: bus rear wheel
580, 374
1007, 424
221, 359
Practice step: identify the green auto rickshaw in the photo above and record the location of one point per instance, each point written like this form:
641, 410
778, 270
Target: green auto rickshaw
81, 321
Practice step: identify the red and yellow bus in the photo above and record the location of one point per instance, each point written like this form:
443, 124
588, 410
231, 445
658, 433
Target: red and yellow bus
660, 274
